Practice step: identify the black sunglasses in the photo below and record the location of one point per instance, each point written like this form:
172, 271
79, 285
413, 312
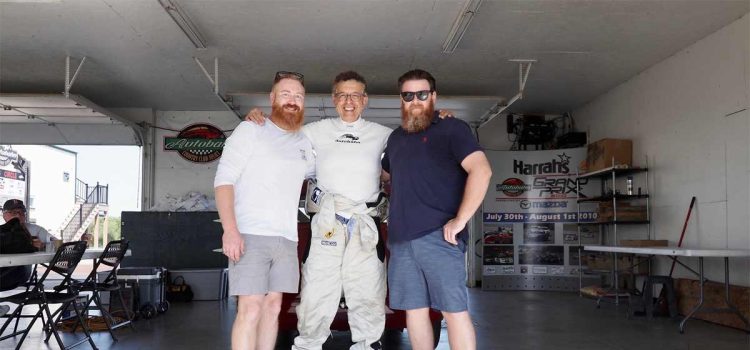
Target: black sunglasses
422, 95
291, 75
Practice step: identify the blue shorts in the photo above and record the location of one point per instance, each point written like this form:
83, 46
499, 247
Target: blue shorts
427, 272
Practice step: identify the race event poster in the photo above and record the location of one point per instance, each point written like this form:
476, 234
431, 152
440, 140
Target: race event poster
531, 214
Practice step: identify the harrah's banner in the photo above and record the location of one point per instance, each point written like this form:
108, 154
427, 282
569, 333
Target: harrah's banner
536, 186
531, 215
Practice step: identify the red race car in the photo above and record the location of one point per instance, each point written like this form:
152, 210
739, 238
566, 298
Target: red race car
498, 238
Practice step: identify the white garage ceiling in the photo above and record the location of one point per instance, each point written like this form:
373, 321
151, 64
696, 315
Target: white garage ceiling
138, 57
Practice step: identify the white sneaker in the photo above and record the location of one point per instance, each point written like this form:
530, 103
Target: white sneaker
4, 309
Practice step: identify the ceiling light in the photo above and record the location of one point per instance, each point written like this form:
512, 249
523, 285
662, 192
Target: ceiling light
30, 1
461, 25
183, 21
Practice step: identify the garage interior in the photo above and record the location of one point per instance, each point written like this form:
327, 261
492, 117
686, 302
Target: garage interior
672, 76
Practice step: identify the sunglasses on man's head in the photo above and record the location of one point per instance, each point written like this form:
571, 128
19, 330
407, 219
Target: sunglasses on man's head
422, 95
291, 75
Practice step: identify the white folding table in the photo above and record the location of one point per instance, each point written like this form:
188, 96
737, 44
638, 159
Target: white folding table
674, 253
44, 257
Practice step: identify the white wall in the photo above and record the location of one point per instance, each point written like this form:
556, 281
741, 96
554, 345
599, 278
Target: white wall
494, 136
174, 175
143, 116
689, 115
52, 197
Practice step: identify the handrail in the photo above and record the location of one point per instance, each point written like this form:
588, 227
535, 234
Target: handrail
82, 189
88, 197
98, 194
76, 222
92, 194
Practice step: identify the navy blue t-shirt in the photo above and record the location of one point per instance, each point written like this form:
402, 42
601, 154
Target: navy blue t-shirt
427, 180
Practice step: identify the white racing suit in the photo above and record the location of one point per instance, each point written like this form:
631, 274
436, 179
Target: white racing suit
342, 256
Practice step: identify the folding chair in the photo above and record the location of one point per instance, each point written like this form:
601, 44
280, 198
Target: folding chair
113, 254
64, 262
27, 286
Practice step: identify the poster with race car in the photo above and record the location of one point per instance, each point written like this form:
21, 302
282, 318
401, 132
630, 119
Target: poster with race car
542, 233
498, 255
498, 234
12, 175
541, 255
532, 209
589, 234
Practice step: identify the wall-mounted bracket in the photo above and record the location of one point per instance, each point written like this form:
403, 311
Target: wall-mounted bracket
227, 102
524, 67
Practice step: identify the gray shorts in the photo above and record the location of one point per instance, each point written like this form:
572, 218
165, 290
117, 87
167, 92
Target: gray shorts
269, 265
427, 272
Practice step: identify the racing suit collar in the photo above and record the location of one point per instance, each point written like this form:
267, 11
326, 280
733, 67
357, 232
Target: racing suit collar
350, 125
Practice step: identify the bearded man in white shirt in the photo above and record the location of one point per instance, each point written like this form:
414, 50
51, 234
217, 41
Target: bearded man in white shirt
257, 188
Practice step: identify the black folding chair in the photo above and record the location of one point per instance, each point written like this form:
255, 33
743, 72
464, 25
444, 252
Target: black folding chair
27, 285
64, 262
113, 254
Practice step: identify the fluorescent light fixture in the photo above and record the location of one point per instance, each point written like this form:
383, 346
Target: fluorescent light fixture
30, 1
183, 21
461, 25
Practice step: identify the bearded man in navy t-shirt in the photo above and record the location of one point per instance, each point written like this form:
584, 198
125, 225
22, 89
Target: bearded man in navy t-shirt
439, 176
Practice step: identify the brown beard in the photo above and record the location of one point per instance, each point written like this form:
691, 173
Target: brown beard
286, 119
417, 118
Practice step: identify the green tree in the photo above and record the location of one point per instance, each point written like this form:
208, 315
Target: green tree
113, 229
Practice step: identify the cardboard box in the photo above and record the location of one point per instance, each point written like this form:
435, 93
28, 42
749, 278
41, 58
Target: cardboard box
625, 212
644, 243
622, 216
604, 261
688, 295
599, 154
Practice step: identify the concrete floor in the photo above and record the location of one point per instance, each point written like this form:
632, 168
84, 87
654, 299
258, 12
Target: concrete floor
504, 320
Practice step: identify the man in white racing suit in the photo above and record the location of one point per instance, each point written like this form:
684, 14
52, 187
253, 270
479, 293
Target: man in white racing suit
345, 251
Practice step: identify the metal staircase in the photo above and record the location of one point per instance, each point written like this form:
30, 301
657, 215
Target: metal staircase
90, 201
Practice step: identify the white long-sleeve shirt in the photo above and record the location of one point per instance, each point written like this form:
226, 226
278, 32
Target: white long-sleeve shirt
266, 165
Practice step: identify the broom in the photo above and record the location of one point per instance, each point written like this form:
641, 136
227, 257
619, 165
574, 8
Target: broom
661, 301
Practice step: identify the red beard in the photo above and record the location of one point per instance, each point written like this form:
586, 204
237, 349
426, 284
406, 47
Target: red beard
288, 116
417, 117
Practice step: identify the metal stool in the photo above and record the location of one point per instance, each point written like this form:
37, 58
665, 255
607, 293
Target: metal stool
668, 285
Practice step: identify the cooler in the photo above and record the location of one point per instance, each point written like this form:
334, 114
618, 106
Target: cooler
147, 285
